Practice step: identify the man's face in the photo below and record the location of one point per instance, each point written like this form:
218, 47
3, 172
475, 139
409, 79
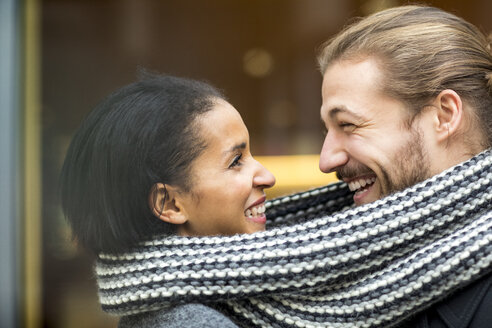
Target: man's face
368, 142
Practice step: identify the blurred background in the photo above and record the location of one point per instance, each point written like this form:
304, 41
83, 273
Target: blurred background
58, 58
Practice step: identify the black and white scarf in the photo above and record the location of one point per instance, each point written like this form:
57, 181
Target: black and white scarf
324, 263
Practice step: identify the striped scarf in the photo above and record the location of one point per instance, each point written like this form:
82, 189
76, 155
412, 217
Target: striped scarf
324, 263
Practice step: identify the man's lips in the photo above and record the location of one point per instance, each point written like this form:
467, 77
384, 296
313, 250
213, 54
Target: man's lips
360, 182
361, 186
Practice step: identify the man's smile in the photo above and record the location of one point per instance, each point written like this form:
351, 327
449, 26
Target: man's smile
359, 184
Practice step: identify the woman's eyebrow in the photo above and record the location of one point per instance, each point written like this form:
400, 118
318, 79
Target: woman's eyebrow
241, 146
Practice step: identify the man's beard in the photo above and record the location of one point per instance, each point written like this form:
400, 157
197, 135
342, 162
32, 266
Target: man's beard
410, 166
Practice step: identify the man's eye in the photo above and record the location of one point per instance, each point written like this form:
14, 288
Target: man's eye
345, 125
236, 161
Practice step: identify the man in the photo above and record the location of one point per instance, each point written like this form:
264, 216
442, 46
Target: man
407, 95
407, 105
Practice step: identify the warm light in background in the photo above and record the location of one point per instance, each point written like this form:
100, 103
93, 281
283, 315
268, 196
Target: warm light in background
257, 62
295, 173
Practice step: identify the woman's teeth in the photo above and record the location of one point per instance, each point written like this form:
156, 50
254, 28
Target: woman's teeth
355, 185
255, 211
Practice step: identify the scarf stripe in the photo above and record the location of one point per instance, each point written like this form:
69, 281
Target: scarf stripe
342, 266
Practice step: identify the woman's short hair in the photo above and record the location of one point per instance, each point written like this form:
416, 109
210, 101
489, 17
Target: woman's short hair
422, 51
141, 134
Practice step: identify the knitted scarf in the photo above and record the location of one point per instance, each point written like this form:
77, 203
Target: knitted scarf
323, 263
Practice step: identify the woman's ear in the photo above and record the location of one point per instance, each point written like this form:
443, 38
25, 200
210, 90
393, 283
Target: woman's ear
163, 204
449, 114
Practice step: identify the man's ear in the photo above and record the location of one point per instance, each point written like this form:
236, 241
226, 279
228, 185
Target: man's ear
164, 205
449, 114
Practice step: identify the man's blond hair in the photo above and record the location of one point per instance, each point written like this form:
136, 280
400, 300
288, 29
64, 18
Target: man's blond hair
422, 51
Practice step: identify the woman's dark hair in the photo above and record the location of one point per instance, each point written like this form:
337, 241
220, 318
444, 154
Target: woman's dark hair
141, 134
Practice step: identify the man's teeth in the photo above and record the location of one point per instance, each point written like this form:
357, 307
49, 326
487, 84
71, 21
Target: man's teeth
360, 183
255, 211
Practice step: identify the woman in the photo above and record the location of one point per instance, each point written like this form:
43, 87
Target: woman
163, 156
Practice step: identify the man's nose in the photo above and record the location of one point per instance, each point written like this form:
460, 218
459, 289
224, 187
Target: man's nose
333, 154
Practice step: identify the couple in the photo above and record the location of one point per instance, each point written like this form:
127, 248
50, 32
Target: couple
160, 183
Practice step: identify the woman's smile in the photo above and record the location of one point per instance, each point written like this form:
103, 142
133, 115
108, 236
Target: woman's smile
256, 212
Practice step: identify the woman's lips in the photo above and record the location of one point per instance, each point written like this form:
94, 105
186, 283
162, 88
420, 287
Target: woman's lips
259, 201
257, 219
256, 211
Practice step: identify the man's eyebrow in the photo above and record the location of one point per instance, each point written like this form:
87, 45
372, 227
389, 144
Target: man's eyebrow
342, 109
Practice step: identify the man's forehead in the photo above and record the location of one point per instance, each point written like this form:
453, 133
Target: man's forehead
350, 86
350, 75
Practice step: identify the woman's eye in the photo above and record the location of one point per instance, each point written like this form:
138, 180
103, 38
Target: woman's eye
236, 161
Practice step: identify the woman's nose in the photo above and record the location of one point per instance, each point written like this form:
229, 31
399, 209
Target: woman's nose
333, 154
263, 178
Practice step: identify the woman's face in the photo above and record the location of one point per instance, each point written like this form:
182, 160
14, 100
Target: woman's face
227, 183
